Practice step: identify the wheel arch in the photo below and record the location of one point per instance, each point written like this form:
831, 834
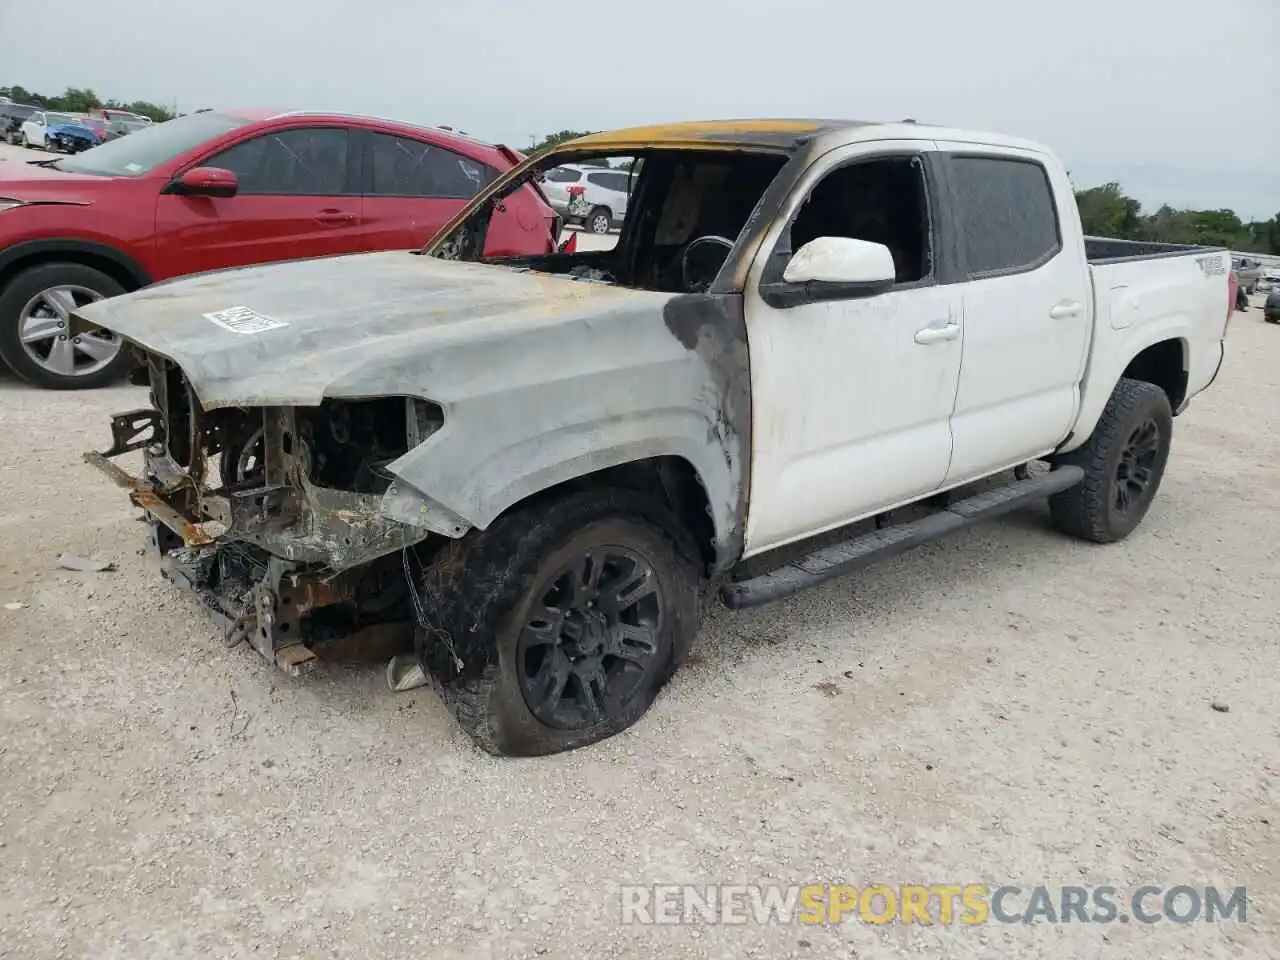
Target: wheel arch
1162, 358
113, 262
1165, 364
666, 471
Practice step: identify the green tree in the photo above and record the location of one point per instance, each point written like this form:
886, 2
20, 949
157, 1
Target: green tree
1106, 211
553, 139
77, 100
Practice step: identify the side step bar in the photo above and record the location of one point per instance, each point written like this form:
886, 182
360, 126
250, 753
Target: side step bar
840, 558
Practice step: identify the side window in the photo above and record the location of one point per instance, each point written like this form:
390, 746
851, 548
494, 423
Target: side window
607, 180
303, 162
883, 201
401, 167
1007, 216
561, 175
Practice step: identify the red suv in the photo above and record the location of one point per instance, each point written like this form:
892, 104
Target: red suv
221, 189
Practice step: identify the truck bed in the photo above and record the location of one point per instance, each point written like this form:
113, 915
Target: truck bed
1105, 250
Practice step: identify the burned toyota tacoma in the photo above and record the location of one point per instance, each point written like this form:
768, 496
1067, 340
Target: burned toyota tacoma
537, 467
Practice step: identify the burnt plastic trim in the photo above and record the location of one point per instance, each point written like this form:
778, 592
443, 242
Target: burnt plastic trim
56, 245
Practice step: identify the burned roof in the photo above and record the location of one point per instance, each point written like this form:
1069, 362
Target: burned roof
766, 134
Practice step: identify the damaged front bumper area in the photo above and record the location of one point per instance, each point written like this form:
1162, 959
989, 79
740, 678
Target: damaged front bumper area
277, 517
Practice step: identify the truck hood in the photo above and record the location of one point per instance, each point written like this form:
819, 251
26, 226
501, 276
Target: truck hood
366, 325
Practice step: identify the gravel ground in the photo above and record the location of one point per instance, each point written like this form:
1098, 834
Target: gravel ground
1008, 706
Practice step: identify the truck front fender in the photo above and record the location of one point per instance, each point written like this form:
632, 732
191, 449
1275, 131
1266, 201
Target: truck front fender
676, 389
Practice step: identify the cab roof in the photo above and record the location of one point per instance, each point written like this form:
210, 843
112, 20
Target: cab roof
780, 135
776, 133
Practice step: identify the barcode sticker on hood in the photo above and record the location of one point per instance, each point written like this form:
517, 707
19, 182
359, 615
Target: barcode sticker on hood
243, 320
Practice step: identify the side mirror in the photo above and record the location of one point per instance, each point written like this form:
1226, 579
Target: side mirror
832, 268
205, 182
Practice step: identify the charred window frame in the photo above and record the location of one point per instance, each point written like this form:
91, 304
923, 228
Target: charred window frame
465, 240
938, 240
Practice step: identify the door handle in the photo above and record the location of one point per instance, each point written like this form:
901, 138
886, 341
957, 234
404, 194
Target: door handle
1068, 308
948, 331
335, 216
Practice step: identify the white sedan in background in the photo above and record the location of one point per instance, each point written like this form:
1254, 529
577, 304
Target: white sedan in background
35, 128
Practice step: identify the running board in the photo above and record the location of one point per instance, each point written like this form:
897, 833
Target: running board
840, 558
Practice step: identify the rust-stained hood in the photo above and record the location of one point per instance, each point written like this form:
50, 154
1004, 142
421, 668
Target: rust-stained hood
367, 325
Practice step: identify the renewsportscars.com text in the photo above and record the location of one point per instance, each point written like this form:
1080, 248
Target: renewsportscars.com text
930, 904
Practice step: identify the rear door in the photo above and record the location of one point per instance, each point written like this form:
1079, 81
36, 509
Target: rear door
298, 197
1027, 308
411, 189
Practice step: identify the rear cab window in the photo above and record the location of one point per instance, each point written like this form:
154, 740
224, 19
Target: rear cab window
1006, 214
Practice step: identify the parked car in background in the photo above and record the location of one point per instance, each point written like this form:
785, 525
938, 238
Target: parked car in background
596, 197
35, 129
114, 113
12, 116
76, 136
224, 189
1249, 271
1271, 308
122, 126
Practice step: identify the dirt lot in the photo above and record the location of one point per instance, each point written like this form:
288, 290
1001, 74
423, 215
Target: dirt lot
1005, 707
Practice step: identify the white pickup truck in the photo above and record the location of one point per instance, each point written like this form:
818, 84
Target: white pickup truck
815, 344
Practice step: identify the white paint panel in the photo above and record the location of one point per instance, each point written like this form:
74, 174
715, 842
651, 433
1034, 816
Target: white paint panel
851, 413
1026, 339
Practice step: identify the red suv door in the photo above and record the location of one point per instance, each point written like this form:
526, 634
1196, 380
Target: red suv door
412, 187
298, 197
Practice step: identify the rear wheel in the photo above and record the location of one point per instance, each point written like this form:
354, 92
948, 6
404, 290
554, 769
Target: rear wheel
35, 336
1124, 462
600, 220
557, 626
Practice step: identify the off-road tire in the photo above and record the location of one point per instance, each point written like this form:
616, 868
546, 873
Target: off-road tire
596, 217
1089, 510
477, 593
24, 286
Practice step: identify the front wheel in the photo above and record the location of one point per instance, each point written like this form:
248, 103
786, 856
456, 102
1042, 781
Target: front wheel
1124, 462
35, 336
557, 626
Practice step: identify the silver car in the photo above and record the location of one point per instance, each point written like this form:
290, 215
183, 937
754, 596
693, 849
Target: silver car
596, 197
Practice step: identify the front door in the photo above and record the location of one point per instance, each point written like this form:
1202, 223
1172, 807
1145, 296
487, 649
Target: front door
298, 197
1027, 309
852, 399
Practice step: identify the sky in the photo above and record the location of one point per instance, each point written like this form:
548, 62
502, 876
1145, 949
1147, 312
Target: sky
1176, 99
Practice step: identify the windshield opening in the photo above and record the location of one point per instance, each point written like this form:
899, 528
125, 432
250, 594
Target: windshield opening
150, 145
682, 211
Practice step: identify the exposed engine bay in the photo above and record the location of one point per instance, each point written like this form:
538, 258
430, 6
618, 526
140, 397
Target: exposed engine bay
273, 515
